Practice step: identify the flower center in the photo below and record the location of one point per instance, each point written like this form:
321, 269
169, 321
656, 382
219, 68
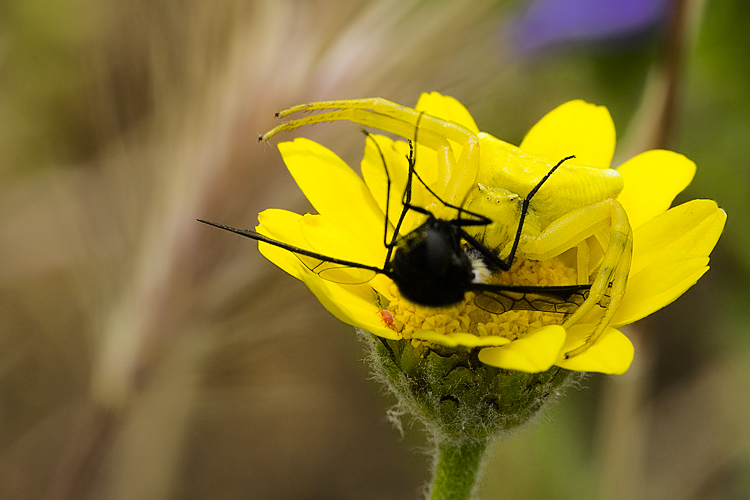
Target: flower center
466, 317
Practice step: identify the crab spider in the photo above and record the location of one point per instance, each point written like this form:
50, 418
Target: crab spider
602, 223
576, 208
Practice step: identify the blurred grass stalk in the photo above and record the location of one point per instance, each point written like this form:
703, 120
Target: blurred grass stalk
624, 417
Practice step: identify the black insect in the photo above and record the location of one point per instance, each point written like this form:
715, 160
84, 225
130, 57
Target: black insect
436, 264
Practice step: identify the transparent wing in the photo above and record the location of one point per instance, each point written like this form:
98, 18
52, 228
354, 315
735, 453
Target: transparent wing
498, 299
330, 270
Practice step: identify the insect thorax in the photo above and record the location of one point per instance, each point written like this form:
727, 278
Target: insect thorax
429, 267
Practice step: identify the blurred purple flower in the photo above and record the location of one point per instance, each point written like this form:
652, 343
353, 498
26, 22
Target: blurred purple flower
547, 23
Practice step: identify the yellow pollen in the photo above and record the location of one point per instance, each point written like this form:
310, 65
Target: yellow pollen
466, 317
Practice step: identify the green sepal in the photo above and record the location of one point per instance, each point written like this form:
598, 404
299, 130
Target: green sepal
455, 395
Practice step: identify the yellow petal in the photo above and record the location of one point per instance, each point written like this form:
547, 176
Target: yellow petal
381, 162
670, 254
352, 304
460, 339
446, 107
281, 225
657, 286
331, 240
449, 109
574, 128
652, 180
534, 353
334, 189
289, 227
283, 259
347, 306
688, 230
612, 353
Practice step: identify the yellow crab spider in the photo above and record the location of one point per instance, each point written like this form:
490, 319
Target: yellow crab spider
574, 209
603, 223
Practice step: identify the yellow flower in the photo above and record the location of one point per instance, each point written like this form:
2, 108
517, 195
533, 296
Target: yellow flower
670, 246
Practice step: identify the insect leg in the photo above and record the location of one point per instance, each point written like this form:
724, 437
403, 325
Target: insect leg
406, 198
406, 201
387, 191
481, 248
480, 220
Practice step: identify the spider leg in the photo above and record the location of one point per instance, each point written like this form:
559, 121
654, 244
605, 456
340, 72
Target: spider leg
380, 107
611, 280
387, 191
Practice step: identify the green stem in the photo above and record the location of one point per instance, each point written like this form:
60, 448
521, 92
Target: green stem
457, 469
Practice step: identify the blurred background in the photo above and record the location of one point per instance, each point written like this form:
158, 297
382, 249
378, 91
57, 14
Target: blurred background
146, 356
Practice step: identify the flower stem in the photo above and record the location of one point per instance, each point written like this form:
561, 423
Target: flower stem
457, 468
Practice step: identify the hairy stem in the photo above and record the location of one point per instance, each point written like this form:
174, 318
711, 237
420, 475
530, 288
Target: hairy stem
457, 469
